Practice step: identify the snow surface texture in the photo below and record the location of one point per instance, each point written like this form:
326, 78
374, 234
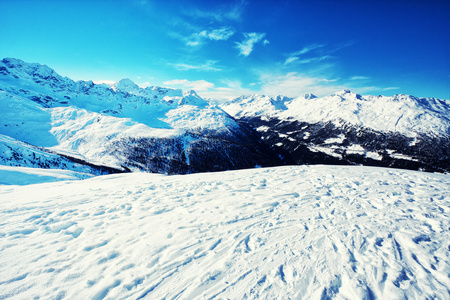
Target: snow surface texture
304, 232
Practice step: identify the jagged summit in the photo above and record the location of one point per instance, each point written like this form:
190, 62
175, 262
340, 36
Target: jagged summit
256, 104
310, 96
38, 73
343, 92
405, 114
40, 80
125, 85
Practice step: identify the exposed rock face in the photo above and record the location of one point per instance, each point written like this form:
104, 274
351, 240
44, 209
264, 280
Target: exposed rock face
325, 143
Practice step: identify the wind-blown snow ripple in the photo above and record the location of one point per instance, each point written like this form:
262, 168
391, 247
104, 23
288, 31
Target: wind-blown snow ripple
304, 232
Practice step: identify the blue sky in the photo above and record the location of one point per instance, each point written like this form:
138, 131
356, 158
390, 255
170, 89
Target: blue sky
223, 49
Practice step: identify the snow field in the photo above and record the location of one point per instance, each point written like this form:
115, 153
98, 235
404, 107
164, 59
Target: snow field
304, 232
24, 175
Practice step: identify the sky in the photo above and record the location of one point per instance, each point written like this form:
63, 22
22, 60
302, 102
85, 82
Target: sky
224, 49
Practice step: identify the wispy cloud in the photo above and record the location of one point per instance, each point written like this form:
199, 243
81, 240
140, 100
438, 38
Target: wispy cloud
290, 60
246, 46
295, 56
228, 90
391, 88
223, 33
295, 84
198, 85
208, 66
343, 45
232, 11
306, 60
308, 49
313, 59
359, 78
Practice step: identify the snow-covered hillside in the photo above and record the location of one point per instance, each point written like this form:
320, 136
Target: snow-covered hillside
15, 153
301, 232
121, 126
404, 114
163, 130
26, 175
347, 128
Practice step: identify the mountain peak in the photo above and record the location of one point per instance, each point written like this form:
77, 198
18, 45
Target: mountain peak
190, 93
343, 92
126, 85
347, 94
32, 69
12, 62
310, 96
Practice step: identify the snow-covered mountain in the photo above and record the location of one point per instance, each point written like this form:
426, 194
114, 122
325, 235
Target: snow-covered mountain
347, 128
122, 126
15, 153
156, 129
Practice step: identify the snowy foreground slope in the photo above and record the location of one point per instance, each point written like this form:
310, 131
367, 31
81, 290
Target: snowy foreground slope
309, 232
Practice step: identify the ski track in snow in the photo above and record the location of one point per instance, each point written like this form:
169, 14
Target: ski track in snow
304, 232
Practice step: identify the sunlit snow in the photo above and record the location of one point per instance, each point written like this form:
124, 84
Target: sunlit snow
304, 232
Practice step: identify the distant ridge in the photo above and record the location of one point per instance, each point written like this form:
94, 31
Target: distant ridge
156, 129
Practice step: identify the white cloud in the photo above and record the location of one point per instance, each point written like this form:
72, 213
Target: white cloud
313, 59
359, 78
145, 84
231, 89
246, 46
198, 85
223, 33
390, 88
294, 85
266, 42
209, 66
193, 43
290, 59
236, 10
295, 56
308, 49
330, 80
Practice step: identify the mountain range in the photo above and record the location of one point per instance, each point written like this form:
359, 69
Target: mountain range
50, 121
346, 128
